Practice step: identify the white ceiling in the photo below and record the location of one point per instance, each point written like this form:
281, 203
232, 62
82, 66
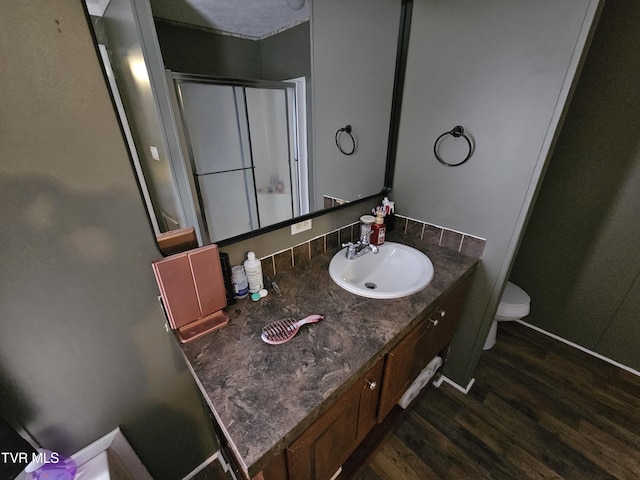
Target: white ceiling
253, 19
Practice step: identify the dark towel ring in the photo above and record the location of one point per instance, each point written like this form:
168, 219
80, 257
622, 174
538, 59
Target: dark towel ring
455, 132
347, 130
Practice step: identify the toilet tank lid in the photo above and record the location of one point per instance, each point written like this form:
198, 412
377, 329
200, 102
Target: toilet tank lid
514, 295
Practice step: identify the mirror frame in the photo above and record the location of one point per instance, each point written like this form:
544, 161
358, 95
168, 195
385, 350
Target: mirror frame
404, 31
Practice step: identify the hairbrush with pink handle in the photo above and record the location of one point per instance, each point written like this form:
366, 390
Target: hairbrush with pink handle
282, 331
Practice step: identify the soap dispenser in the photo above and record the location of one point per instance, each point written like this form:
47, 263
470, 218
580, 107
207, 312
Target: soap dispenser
378, 230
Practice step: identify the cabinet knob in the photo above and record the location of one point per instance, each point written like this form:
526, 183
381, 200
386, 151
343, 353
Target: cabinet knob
435, 322
441, 312
372, 385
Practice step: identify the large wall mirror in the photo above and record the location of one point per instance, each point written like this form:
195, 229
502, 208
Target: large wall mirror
245, 115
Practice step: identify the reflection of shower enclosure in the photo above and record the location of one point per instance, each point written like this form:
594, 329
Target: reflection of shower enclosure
240, 143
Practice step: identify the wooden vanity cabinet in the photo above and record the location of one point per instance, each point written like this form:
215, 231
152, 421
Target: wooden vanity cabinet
409, 357
325, 446
320, 451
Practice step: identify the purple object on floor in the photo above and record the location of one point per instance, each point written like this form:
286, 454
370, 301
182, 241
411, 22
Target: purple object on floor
52, 466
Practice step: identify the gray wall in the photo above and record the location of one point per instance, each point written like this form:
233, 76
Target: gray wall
83, 347
501, 69
192, 50
579, 256
287, 54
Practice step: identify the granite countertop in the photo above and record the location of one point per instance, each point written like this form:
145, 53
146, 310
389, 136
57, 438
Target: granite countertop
264, 396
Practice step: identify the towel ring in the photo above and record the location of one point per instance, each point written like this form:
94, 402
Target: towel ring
346, 130
456, 132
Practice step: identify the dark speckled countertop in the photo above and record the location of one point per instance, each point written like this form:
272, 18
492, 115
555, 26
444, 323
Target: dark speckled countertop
264, 396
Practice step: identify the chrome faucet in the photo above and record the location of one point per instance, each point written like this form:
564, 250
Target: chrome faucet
355, 250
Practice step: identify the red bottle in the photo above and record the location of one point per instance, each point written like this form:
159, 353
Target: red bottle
378, 230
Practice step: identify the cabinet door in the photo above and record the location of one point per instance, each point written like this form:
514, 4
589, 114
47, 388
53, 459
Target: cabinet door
402, 365
322, 449
408, 358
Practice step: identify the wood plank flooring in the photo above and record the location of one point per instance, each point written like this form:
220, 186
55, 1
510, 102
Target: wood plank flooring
538, 409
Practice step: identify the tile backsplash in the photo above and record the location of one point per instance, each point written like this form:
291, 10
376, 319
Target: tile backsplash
287, 259
459, 241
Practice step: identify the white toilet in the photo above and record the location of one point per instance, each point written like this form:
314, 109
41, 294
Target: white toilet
514, 305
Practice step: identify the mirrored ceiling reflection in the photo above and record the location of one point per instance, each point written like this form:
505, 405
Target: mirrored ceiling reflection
252, 19
253, 48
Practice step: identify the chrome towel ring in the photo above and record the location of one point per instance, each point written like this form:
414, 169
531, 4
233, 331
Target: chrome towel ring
456, 132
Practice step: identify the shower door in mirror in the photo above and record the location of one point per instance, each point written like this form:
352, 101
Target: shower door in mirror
240, 142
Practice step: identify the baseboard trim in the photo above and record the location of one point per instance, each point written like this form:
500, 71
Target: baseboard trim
580, 347
216, 456
464, 390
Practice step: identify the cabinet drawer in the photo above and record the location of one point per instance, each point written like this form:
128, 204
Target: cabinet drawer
443, 321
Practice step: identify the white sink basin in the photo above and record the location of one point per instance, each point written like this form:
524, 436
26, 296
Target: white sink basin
395, 271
